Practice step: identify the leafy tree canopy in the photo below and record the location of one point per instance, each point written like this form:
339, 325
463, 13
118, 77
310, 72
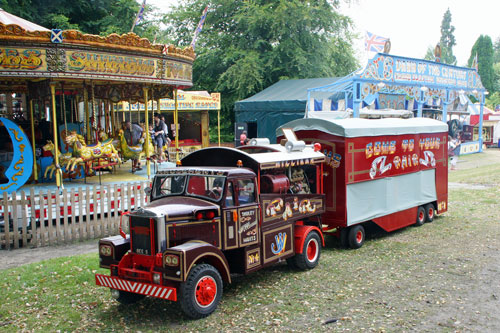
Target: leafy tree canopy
100, 17
483, 47
447, 39
246, 46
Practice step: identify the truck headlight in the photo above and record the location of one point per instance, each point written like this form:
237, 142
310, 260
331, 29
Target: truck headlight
171, 260
105, 250
156, 278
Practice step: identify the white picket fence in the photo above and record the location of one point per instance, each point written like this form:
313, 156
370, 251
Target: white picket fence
50, 218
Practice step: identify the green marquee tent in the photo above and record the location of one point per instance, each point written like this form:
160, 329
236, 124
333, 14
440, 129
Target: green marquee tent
276, 105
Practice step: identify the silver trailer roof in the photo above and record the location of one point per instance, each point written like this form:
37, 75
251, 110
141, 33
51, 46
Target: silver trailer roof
357, 127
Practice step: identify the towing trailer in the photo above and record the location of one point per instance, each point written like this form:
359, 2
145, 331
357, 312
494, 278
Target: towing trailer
393, 172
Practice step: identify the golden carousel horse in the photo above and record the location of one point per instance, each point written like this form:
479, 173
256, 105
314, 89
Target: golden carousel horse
63, 158
83, 153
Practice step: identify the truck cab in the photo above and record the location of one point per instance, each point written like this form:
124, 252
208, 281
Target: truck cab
223, 211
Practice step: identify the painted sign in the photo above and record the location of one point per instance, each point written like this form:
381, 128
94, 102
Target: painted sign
277, 243
22, 59
396, 69
21, 167
185, 102
103, 63
248, 226
290, 206
391, 156
468, 148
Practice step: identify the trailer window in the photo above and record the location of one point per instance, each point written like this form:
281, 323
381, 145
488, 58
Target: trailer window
246, 191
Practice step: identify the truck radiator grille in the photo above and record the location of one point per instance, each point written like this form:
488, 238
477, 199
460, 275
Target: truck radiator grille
141, 235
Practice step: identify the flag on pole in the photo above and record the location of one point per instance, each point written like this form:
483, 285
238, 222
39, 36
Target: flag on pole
475, 64
374, 43
140, 16
199, 27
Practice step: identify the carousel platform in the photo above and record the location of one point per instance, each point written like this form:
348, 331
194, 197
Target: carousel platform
122, 174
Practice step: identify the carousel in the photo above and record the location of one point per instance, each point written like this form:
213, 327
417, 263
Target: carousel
67, 85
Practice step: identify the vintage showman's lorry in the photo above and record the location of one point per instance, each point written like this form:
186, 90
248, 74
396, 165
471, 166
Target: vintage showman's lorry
223, 211
231, 210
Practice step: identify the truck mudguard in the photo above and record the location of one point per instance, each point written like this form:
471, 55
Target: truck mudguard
301, 232
195, 252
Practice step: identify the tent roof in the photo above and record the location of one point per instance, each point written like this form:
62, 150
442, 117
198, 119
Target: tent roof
8, 18
284, 95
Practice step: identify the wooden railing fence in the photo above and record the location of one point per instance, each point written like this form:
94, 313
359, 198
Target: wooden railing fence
51, 217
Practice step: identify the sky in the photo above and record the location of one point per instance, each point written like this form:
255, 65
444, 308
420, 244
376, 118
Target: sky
415, 25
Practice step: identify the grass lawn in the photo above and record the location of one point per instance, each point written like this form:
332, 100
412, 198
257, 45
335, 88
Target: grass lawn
438, 277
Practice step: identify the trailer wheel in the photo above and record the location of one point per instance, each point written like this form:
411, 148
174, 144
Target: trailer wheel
126, 298
430, 212
356, 236
420, 216
201, 293
311, 252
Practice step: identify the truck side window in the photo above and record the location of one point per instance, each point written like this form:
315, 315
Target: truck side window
229, 195
246, 191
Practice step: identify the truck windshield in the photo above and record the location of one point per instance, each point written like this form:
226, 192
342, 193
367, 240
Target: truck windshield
204, 186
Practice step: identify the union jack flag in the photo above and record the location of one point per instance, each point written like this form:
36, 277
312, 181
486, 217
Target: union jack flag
199, 27
374, 43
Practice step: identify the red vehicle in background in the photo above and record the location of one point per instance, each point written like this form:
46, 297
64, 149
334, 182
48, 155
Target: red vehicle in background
393, 172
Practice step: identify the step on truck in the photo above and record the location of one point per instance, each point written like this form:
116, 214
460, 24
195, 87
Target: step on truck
392, 172
223, 211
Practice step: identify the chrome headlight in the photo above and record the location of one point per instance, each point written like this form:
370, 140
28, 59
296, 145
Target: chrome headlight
106, 250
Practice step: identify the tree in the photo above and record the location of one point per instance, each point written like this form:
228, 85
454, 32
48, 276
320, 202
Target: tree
447, 40
429, 55
483, 47
496, 48
100, 17
245, 46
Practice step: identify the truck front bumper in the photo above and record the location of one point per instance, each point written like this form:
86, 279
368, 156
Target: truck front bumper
148, 289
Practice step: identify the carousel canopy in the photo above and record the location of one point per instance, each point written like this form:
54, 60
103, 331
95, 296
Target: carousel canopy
8, 18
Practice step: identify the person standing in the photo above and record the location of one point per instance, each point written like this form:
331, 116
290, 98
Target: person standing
133, 135
243, 138
160, 132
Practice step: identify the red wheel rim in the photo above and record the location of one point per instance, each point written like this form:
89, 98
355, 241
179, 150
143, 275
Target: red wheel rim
205, 292
359, 236
312, 250
431, 212
421, 216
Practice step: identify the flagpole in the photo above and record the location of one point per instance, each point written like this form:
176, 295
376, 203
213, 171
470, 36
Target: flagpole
141, 9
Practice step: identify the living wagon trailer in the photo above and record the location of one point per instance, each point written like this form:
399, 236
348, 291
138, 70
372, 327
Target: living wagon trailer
393, 172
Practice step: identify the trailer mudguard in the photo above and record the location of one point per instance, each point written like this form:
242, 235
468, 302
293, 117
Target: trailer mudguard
195, 252
301, 232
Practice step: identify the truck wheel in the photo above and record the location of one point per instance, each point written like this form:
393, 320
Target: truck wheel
420, 216
344, 242
311, 251
356, 237
201, 293
125, 297
429, 212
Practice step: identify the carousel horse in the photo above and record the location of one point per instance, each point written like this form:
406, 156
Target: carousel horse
83, 153
63, 158
134, 152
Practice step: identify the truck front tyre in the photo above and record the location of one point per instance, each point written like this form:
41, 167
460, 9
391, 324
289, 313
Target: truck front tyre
356, 236
201, 293
311, 252
421, 216
430, 212
125, 297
